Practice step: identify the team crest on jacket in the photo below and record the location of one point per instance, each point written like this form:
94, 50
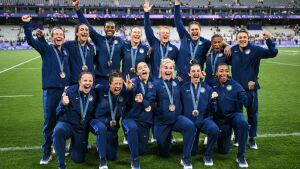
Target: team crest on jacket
170, 48
120, 99
247, 51
150, 85
200, 43
202, 90
174, 84
141, 50
91, 98
115, 42
228, 87
220, 54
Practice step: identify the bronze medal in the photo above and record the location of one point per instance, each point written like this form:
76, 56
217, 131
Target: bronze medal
172, 107
132, 70
195, 113
82, 121
113, 123
84, 68
109, 63
148, 109
62, 74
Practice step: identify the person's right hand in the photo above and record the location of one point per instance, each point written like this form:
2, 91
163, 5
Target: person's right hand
147, 6
65, 99
26, 18
214, 95
39, 33
177, 2
251, 85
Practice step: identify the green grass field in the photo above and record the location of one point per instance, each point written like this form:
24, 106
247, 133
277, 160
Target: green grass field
21, 119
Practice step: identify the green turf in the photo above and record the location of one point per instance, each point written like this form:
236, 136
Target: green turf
21, 119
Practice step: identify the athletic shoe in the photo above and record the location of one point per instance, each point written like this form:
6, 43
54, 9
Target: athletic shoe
46, 159
186, 164
235, 143
62, 166
135, 164
153, 140
208, 161
89, 146
252, 144
103, 164
173, 140
125, 141
242, 162
103, 167
205, 141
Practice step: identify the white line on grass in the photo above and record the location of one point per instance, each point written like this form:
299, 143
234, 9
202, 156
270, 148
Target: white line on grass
286, 64
178, 140
25, 68
19, 64
12, 96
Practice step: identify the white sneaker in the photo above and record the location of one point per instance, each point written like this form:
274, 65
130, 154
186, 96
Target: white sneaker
186, 164
46, 159
236, 144
125, 141
173, 140
242, 162
252, 144
103, 167
205, 141
153, 140
208, 161
89, 146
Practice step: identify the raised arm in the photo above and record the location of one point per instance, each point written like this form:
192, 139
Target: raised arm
272, 51
93, 33
178, 20
147, 23
28, 35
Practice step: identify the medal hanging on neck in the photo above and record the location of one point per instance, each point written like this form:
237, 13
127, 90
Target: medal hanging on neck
172, 106
83, 57
147, 109
195, 111
133, 54
193, 51
60, 61
84, 104
110, 52
113, 110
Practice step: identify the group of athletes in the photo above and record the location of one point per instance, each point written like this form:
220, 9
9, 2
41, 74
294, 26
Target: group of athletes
85, 91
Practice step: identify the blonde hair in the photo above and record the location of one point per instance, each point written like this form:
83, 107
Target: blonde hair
164, 62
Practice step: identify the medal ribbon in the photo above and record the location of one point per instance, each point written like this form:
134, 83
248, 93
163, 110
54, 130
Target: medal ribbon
195, 100
83, 108
143, 88
193, 51
162, 54
60, 61
112, 110
213, 61
133, 56
110, 52
171, 98
82, 54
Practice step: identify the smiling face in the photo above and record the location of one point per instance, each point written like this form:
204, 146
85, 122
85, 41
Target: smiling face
195, 74
116, 85
82, 33
136, 35
222, 73
242, 39
57, 37
167, 69
164, 35
194, 31
143, 71
86, 83
217, 43
110, 29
